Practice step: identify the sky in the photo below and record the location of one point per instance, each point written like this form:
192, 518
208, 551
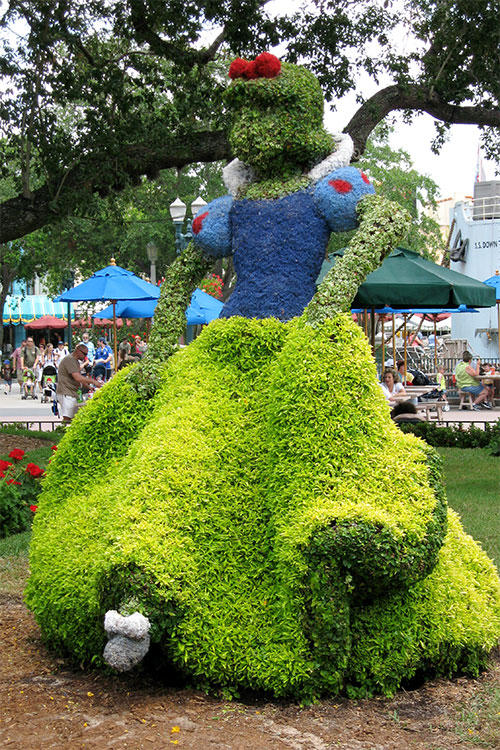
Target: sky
453, 169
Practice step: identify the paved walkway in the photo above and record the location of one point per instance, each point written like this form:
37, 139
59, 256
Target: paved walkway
13, 408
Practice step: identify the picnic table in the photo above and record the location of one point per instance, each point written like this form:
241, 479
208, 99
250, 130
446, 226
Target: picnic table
412, 392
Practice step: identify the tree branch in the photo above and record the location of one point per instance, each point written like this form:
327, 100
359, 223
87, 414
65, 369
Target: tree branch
416, 98
21, 215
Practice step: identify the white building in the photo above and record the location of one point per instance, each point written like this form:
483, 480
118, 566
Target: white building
475, 251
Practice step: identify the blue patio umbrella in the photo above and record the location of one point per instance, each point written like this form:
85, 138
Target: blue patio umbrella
494, 281
111, 283
202, 309
139, 308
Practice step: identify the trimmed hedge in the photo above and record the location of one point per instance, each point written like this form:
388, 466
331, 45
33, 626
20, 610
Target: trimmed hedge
277, 527
456, 436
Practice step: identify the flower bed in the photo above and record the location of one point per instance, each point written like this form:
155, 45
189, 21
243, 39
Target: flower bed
20, 485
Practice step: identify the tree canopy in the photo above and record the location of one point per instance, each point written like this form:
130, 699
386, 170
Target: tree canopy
95, 94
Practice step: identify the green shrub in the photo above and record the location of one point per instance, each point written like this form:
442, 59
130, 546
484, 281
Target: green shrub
100, 434
457, 436
277, 527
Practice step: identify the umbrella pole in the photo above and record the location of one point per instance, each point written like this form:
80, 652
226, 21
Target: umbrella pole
372, 322
435, 346
498, 315
114, 335
394, 339
404, 338
365, 321
382, 318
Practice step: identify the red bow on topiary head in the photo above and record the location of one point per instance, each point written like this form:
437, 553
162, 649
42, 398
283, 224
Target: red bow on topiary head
265, 65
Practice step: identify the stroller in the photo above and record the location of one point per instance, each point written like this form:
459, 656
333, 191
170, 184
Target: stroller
28, 387
99, 372
48, 383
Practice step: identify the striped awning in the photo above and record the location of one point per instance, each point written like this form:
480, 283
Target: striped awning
23, 310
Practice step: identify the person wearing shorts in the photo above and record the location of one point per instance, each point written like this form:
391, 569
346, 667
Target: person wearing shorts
70, 379
467, 378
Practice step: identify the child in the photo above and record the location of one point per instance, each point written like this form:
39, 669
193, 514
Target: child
441, 381
29, 383
7, 376
489, 384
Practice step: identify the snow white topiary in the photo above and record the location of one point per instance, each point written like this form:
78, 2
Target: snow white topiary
262, 512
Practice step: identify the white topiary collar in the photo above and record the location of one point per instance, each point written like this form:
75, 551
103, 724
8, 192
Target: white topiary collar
237, 174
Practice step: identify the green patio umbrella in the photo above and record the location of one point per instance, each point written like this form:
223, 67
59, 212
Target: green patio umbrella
405, 279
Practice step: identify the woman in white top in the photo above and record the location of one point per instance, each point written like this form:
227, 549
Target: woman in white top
47, 358
390, 387
60, 352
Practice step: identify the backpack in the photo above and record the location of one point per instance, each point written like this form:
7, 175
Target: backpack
419, 378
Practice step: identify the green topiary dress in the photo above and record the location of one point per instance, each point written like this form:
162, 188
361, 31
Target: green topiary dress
276, 527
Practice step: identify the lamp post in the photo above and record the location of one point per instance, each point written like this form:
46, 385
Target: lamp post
178, 214
152, 252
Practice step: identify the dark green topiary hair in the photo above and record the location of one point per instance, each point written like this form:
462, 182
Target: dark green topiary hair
277, 123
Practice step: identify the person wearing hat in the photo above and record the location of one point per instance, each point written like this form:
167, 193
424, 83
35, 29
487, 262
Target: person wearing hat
70, 379
103, 356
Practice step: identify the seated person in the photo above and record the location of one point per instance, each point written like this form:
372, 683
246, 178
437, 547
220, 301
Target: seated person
140, 347
489, 384
28, 382
416, 340
391, 386
124, 356
405, 377
407, 412
467, 378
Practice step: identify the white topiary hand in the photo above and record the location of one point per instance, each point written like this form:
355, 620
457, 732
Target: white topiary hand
128, 639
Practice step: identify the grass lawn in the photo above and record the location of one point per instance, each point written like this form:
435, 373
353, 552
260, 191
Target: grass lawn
472, 480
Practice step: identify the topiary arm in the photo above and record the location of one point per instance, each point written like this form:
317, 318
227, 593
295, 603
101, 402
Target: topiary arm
337, 195
383, 224
181, 279
212, 228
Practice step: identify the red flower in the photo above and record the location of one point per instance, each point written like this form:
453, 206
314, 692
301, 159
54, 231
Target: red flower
237, 68
267, 65
5, 465
54, 448
34, 508
17, 454
2, 473
12, 481
34, 470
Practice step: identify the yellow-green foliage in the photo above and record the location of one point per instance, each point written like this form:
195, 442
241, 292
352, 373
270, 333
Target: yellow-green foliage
273, 523
100, 432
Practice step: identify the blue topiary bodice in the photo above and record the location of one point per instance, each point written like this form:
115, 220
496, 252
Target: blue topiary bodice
279, 245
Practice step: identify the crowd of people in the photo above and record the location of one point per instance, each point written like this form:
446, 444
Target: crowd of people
28, 362
470, 376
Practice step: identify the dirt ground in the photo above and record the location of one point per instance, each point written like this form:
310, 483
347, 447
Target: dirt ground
25, 443
45, 704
